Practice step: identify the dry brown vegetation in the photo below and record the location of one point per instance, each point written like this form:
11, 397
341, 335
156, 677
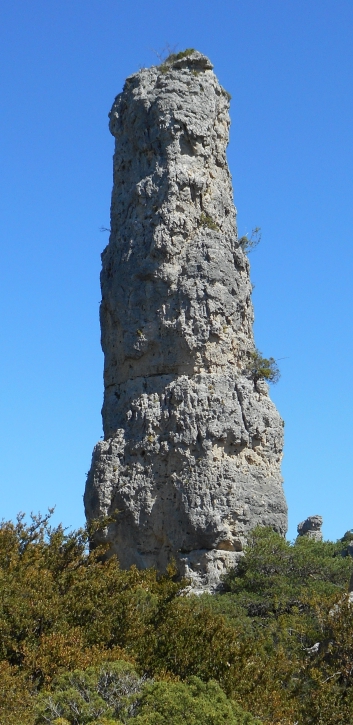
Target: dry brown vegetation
64, 609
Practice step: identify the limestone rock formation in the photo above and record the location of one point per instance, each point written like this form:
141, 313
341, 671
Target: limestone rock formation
311, 528
192, 445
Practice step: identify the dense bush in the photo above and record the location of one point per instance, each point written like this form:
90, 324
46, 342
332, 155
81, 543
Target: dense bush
84, 696
276, 575
113, 693
278, 640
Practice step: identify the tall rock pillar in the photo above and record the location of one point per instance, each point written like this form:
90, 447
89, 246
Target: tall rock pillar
192, 445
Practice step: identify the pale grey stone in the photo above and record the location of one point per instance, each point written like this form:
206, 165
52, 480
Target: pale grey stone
311, 528
192, 447
314, 650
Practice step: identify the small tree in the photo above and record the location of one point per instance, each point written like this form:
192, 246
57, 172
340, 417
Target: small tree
262, 368
249, 243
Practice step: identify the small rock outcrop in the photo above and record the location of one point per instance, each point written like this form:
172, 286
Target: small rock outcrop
348, 540
192, 444
311, 528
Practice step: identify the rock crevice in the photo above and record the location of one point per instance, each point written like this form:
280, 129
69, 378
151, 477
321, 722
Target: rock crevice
192, 447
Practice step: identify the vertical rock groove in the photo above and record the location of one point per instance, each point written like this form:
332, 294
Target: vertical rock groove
192, 447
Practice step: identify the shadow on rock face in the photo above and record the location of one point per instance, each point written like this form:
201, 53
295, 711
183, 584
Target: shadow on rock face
192, 449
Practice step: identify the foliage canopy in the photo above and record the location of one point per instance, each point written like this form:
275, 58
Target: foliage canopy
113, 693
278, 641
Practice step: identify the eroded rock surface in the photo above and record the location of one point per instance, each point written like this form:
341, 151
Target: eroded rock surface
192, 447
311, 528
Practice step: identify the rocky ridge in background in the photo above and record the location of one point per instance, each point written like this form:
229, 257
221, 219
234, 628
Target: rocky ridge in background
192, 444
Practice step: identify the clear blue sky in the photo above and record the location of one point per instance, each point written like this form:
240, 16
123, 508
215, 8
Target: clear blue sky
288, 65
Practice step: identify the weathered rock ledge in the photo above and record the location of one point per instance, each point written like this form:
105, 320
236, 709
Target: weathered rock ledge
192, 448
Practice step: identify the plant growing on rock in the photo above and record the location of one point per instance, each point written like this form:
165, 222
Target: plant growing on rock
249, 243
172, 57
262, 368
177, 56
207, 221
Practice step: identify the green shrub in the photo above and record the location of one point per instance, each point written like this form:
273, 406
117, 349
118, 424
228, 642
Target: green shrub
191, 703
85, 696
102, 695
275, 575
165, 66
177, 56
248, 243
16, 696
63, 608
207, 221
262, 368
